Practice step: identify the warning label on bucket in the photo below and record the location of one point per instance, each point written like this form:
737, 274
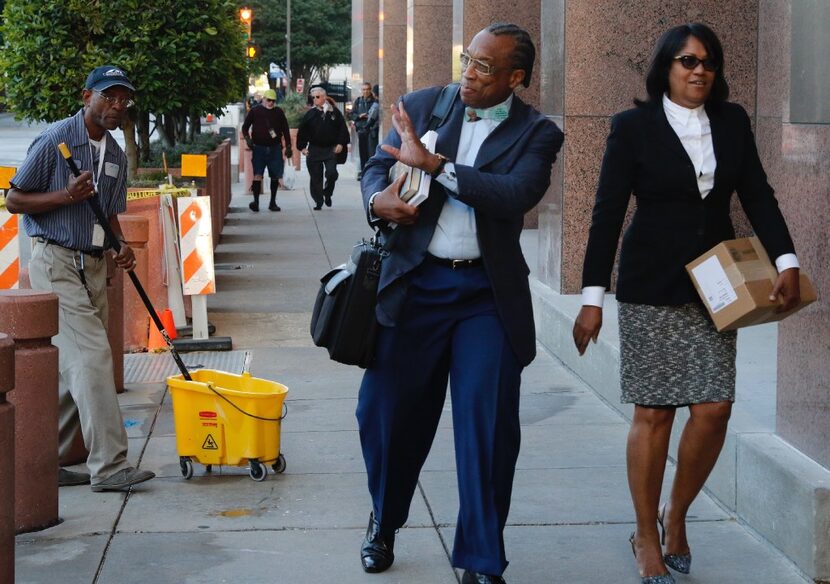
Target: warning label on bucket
210, 443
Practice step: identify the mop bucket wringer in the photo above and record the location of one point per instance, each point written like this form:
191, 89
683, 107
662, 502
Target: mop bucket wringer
228, 419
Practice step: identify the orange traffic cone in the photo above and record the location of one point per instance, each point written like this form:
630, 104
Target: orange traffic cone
156, 341
169, 325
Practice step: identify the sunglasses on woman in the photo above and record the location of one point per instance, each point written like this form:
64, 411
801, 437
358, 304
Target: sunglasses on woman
691, 62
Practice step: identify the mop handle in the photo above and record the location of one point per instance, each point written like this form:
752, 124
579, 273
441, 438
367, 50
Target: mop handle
116, 244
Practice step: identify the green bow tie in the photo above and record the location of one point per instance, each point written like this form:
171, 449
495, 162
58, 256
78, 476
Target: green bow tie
498, 113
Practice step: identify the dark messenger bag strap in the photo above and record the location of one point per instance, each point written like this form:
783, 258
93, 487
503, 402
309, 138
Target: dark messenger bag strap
443, 105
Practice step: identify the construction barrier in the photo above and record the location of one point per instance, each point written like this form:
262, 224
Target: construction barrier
196, 240
9, 251
9, 245
196, 246
172, 263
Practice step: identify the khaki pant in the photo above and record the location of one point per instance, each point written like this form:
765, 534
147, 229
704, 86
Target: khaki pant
87, 386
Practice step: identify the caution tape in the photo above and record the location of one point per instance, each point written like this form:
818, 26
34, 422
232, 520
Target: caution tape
136, 195
149, 193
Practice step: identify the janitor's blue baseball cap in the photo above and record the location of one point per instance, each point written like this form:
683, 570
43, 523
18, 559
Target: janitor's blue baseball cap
107, 76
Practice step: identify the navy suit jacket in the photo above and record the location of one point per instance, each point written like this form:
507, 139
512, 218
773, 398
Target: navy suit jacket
672, 224
510, 175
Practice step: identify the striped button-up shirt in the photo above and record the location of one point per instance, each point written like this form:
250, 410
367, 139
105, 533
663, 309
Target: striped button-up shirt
45, 170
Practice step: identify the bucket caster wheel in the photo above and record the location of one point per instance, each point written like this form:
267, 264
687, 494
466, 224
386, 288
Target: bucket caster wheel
258, 471
279, 465
186, 466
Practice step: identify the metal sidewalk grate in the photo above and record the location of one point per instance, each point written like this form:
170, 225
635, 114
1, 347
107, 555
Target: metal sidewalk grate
157, 367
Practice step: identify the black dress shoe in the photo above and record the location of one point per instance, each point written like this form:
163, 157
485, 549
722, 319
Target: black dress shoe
377, 551
476, 578
328, 201
318, 207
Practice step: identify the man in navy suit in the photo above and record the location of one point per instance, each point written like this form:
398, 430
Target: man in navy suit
454, 300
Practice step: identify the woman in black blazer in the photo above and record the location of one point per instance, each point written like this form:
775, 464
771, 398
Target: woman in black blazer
681, 153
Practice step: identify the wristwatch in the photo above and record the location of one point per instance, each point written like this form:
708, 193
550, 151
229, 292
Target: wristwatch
440, 168
373, 219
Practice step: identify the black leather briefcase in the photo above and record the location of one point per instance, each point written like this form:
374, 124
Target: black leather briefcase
343, 319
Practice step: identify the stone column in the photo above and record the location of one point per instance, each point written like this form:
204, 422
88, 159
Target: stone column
357, 40
428, 43
478, 14
371, 41
605, 57
793, 134
550, 63
7, 473
31, 319
392, 62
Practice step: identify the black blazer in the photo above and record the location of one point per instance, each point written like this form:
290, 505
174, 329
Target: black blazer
509, 177
672, 225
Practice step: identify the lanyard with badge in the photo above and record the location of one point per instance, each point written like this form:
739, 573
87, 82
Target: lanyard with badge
97, 230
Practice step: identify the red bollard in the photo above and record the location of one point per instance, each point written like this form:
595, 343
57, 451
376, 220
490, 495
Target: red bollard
6, 460
31, 319
136, 230
115, 320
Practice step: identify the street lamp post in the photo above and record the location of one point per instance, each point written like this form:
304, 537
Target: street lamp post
246, 15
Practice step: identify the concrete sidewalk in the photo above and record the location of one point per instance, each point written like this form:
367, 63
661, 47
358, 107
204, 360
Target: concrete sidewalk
571, 513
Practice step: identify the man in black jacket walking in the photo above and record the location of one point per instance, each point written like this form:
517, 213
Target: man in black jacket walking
322, 136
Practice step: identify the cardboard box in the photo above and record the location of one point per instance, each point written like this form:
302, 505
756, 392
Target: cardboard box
734, 280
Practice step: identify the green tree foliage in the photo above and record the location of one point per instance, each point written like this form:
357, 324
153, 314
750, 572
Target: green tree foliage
49, 48
185, 57
321, 33
2, 5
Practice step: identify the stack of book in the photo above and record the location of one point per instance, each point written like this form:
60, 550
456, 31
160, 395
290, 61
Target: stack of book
415, 189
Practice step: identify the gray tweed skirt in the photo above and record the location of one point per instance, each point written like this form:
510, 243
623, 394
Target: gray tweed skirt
673, 356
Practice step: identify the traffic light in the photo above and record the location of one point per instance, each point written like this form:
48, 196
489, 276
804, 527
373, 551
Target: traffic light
246, 15
252, 50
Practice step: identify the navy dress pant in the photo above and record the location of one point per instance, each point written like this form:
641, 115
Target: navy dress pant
448, 329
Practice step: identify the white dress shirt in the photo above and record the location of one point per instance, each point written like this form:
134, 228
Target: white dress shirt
695, 134
692, 127
455, 235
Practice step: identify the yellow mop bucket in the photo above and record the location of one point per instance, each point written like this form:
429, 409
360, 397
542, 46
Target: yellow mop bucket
228, 419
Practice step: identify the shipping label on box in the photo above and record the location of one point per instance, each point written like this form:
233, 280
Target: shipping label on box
735, 279
715, 288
